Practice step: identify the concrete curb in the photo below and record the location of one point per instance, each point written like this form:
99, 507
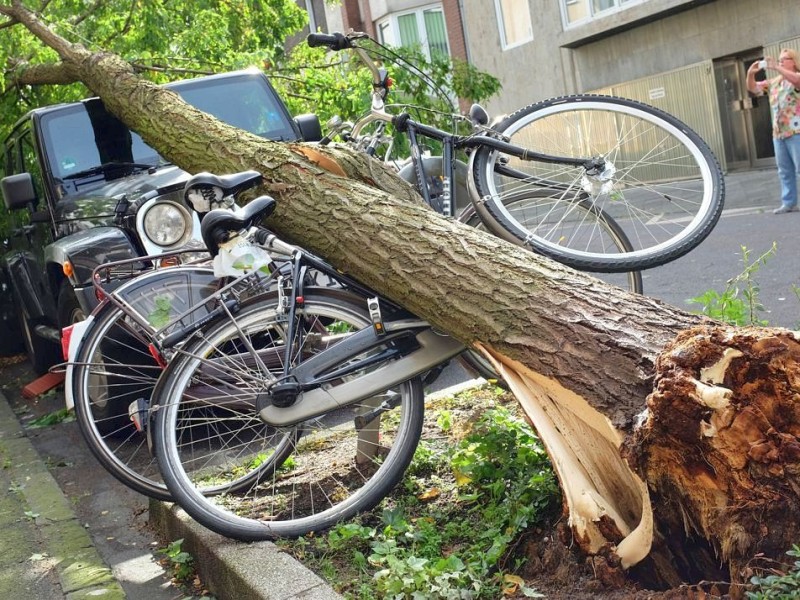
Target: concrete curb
42, 511
250, 571
245, 571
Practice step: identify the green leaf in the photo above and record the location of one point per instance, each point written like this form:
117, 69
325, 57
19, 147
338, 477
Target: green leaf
63, 415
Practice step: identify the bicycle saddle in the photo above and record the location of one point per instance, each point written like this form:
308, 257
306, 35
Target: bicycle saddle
218, 225
204, 190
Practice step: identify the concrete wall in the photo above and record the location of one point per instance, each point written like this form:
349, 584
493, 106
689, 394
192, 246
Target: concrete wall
647, 39
532, 71
710, 31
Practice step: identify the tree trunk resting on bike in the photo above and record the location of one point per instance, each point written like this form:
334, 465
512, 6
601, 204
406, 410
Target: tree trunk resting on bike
673, 437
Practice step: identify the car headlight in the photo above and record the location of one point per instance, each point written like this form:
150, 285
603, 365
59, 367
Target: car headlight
166, 223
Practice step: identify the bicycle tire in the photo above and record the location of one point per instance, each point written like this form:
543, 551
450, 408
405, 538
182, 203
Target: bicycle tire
103, 387
612, 234
113, 368
320, 483
663, 185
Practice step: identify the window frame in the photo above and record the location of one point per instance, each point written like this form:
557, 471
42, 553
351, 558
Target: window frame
501, 25
591, 14
392, 20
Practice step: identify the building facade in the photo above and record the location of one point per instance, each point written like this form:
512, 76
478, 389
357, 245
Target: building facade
688, 57
435, 26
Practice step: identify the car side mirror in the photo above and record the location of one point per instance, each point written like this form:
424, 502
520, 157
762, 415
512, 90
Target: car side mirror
18, 191
310, 129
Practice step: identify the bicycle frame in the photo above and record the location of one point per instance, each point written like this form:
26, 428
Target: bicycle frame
405, 345
450, 142
398, 364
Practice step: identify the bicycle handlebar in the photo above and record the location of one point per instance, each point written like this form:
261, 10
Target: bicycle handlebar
339, 41
334, 41
380, 83
269, 241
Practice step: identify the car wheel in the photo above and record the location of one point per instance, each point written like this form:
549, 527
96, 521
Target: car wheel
69, 309
42, 353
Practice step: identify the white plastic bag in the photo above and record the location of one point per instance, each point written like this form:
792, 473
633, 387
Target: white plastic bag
239, 257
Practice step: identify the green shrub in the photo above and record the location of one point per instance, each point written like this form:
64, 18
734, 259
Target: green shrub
779, 587
739, 303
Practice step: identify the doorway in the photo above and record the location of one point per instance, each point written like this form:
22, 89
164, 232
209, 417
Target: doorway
746, 123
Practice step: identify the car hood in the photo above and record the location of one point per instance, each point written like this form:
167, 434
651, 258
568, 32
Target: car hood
95, 206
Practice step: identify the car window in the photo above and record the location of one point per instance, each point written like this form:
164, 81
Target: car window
85, 136
255, 108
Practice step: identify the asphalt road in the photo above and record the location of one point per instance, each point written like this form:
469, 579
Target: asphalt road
719, 258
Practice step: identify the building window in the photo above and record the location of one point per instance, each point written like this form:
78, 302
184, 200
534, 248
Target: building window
423, 27
576, 12
514, 20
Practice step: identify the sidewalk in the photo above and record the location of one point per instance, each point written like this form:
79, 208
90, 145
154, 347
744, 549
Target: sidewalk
47, 553
750, 189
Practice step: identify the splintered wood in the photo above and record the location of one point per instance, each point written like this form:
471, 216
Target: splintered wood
720, 445
707, 478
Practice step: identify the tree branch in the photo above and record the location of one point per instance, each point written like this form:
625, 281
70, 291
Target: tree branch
125, 27
8, 23
43, 74
78, 19
66, 50
140, 68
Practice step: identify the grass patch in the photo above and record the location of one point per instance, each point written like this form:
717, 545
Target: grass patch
479, 479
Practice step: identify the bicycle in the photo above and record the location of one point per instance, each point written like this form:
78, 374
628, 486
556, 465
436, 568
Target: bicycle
555, 175
113, 365
270, 395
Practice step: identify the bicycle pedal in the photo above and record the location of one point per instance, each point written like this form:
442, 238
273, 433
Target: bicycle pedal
137, 412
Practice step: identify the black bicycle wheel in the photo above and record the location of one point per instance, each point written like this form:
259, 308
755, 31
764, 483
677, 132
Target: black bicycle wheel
661, 184
114, 369
340, 462
607, 235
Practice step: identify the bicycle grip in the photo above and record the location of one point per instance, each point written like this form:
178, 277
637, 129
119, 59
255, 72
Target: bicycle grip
334, 41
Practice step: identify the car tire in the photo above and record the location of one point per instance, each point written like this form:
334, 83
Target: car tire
69, 309
42, 353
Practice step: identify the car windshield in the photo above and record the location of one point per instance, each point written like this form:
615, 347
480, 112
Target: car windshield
82, 140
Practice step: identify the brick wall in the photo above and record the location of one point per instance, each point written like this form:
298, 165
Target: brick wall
455, 29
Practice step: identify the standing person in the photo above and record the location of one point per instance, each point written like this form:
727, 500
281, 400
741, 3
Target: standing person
783, 91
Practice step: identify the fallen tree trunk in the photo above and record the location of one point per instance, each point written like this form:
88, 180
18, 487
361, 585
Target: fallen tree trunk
686, 481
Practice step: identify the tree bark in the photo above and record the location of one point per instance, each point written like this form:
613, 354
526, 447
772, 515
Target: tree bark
684, 481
